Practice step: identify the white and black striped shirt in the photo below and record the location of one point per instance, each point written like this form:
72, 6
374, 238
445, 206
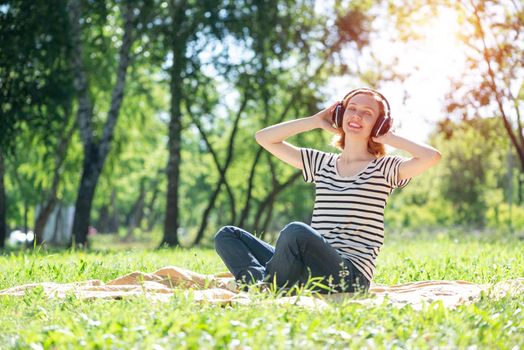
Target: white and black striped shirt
349, 211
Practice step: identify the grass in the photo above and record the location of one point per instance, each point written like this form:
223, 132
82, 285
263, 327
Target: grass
34, 321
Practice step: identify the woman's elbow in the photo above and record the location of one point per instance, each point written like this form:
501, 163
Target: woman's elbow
436, 157
261, 137
258, 137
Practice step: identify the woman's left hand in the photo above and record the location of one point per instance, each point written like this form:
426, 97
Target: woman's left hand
383, 138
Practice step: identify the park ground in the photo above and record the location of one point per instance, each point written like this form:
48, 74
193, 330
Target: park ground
35, 322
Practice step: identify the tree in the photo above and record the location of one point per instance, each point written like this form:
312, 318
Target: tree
473, 169
96, 148
35, 77
188, 20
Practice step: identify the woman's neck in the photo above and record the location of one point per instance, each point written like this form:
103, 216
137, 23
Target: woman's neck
355, 150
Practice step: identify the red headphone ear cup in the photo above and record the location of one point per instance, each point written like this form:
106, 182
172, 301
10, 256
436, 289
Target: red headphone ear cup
387, 125
382, 126
340, 116
337, 115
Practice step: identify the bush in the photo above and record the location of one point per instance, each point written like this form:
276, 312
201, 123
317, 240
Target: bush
499, 215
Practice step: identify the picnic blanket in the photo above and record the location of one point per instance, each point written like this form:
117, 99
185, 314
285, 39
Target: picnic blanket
221, 288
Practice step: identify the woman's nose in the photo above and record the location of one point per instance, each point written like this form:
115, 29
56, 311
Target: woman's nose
355, 115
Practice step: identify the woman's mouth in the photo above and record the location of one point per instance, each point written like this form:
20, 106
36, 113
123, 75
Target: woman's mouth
354, 126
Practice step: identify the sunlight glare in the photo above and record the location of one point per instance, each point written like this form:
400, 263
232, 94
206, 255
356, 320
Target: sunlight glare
431, 63
442, 48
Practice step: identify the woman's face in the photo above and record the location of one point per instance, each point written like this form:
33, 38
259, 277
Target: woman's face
360, 116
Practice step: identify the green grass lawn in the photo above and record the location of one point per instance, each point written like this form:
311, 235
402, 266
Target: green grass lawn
36, 322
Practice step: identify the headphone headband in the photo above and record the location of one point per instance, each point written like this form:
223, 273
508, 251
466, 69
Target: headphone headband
356, 91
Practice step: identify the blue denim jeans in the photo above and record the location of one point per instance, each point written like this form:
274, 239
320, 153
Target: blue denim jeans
300, 253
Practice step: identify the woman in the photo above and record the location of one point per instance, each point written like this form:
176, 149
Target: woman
341, 245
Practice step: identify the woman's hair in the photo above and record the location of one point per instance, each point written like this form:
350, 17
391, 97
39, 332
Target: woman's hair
375, 148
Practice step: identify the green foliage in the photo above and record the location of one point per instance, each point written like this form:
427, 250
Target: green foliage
34, 69
500, 215
30, 174
474, 159
468, 187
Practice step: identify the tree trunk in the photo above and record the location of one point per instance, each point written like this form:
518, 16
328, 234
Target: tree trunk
134, 217
267, 221
270, 199
178, 47
173, 173
222, 170
114, 217
42, 218
108, 221
3, 206
245, 212
521, 180
102, 225
152, 216
84, 199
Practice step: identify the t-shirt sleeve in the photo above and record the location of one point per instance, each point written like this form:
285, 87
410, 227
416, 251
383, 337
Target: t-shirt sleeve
390, 169
312, 161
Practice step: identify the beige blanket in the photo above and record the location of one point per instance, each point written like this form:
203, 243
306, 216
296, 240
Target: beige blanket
221, 288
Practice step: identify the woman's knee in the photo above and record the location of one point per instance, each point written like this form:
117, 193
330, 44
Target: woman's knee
224, 232
297, 230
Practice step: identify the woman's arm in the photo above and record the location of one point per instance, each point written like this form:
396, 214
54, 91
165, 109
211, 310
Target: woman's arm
272, 137
424, 156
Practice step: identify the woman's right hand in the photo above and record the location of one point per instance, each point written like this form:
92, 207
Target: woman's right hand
323, 118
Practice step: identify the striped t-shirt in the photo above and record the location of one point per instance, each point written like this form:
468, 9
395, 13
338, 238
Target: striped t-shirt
349, 210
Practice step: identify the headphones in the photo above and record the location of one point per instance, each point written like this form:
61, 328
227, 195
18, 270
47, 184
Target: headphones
383, 123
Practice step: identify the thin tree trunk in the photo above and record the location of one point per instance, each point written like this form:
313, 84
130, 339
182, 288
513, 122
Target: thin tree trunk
232, 203
3, 204
136, 213
180, 34
222, 170
271, 197
251, 181
26, 221
152, 214
267, 221
43, 217
102, 225
171, 220
520, 178
24, 195
84, 200
114, 217
108, 220
214, 155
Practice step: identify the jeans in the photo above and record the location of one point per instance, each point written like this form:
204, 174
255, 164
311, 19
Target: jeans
300, 253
